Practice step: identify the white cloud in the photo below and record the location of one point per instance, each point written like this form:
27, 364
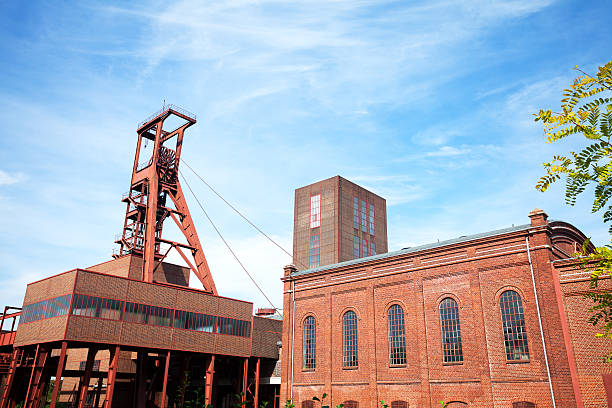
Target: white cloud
7, 178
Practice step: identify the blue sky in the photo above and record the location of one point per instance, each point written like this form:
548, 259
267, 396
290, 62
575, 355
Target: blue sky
427, 103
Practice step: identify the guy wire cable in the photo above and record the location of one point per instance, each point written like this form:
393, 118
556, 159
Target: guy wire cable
239, 213
227, 245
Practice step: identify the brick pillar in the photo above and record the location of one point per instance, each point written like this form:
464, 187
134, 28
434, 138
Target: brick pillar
551, 311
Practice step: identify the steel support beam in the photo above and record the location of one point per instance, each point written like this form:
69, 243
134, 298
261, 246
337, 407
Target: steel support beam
256, 396
84, 384
98, 392
208, 385
58, 374
29, 390
9, 380
162, 404
112, 375
245, 374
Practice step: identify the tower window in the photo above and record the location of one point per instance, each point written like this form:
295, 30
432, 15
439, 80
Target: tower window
355, 246
310, 343
451, 331
364, 216
349, 334
372, 247
513, 319
397, 336
371, 219
364, 249
315, 246
315, 211
355, 212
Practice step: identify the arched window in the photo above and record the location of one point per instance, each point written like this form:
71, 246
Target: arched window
513, 319
397, 335
523, 404
350, 404
349, 334
451, 331
310, 343
399, 404
308, 404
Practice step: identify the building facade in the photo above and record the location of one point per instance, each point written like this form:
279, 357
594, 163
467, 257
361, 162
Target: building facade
336, 220
492, 320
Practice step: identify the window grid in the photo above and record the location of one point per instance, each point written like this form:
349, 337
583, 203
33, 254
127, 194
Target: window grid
113, 309
513, 319
349, 334
45, 309
399, 404
372, 247
310, 343
315, 246
350, 404
356, 247
364, 216
364, 247
315, 211
355, 212
397, 336
451, 331
371, 219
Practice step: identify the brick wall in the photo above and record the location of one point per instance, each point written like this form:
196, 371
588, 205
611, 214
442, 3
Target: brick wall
473, 271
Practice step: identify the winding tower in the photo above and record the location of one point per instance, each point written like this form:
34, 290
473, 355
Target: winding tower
156, 195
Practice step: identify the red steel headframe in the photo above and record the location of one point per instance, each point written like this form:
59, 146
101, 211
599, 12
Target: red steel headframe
154, 181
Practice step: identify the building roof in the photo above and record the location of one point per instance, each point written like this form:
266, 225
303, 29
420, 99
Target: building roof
464, 238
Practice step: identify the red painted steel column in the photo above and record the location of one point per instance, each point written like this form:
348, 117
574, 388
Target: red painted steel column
256, 397
58, 374
39, 377
3, 314
245, 372
112, 374
9, 380
84, 385
27, 398
208, 387
163, 396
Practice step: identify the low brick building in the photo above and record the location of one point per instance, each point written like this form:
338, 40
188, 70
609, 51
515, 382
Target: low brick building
490, 320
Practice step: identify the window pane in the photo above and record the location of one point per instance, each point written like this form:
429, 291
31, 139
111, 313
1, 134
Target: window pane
310, 343
513, 319
355, 212
364, 210
315, 211
349, 323
397, 336
451, 331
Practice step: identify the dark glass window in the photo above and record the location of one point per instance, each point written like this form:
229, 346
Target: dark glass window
314, 250
349, 334
310, 343
371, 219
451, 331
513, 319
364, 247
308, 404
372, 247
356, 247
364, 217
397, 335
399, 404
356, 212
58, 306
350, 404
146, 314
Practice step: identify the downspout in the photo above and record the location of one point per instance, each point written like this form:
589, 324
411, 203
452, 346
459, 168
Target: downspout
535, 291
292, 334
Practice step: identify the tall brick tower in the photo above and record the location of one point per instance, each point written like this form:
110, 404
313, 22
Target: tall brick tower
336, 220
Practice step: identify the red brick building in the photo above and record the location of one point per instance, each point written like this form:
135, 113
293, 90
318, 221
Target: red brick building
490, 320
